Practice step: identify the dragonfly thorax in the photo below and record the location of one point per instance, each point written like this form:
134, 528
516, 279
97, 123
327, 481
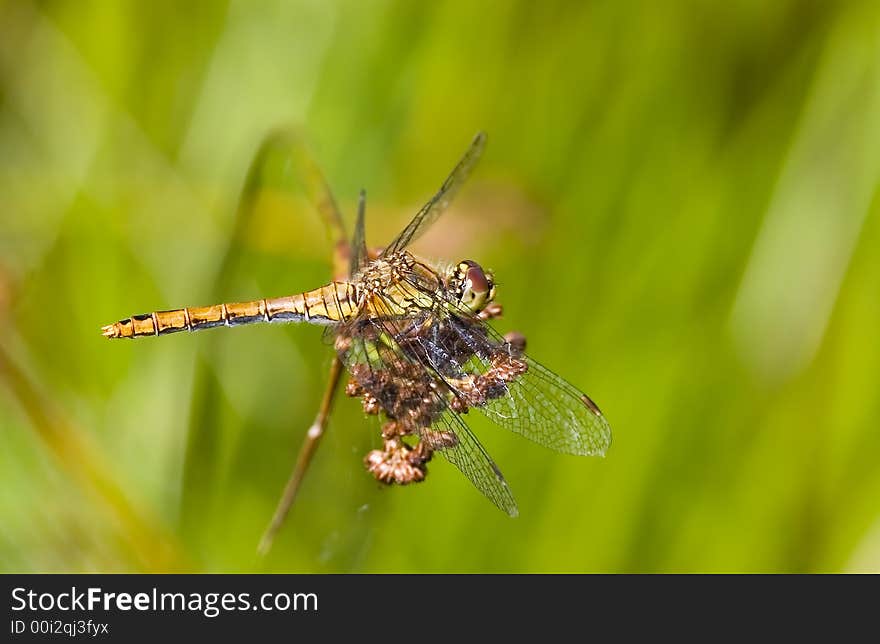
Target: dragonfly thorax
382, 273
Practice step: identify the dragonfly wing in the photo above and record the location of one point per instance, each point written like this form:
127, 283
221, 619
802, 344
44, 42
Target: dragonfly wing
359, 240
518, 393
440, 201
469, 456
412, 393
547, 409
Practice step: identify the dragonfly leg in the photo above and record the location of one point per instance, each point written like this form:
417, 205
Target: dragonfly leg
303, 459
492, 311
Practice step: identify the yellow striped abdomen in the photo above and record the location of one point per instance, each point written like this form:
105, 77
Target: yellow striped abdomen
332, 303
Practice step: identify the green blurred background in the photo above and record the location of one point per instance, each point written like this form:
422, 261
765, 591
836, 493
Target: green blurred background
679, 200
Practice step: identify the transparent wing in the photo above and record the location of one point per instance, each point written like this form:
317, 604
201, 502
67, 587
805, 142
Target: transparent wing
359, 240
547, 409
518, 393
412, 393
471, 458
440, 201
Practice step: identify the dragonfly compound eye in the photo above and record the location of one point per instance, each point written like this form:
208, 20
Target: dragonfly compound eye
476, 289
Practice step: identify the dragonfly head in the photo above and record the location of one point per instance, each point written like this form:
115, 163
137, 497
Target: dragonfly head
474, 287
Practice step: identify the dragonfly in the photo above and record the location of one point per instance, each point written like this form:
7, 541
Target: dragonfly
418, 347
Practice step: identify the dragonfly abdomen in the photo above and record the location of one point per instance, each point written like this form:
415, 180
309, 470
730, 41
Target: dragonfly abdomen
329, 304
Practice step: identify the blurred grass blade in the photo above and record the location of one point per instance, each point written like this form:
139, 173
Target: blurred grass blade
150, 545
808, 237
